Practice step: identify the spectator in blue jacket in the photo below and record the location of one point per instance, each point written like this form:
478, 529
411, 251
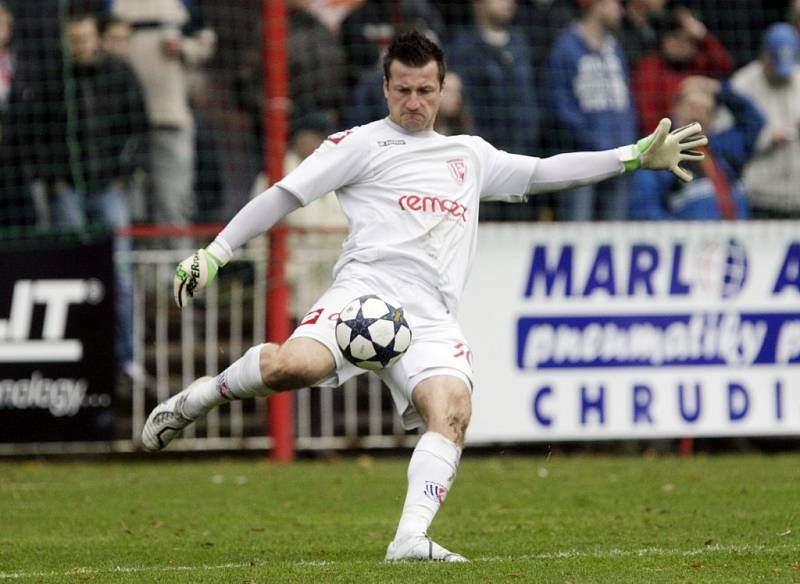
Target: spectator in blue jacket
717, 191
494, 61
588, 83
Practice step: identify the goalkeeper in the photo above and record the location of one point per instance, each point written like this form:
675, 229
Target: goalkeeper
411, 197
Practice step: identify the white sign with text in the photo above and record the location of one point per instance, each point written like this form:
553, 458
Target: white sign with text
634, 330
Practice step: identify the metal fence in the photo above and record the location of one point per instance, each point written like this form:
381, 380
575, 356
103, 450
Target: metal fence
173, 347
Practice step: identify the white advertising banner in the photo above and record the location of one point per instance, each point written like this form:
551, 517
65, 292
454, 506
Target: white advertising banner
634, 330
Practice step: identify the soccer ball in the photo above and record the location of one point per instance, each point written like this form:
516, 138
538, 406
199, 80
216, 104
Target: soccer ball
372, 332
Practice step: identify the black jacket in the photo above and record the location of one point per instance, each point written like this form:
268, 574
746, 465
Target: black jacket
87, 128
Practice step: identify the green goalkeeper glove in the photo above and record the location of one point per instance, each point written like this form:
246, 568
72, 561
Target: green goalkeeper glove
665, 150
199, 270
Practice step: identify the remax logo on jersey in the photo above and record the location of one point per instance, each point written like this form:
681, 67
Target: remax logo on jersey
433, 204
338, 136
458, 168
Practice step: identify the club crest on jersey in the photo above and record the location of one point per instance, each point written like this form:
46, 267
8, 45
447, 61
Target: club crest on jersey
435, 492
458, 168
223, 388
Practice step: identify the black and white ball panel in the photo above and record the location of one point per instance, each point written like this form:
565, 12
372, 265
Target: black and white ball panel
372, 332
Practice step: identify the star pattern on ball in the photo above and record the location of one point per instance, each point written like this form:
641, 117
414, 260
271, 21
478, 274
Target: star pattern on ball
372, 332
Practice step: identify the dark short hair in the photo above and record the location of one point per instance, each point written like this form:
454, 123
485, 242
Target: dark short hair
669, 22
414, 49
75, 16
109, 21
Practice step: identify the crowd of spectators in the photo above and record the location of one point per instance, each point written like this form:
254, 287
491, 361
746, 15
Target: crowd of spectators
531, 76
544, 76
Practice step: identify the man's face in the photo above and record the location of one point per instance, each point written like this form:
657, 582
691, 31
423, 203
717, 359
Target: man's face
655, 5
413, 95
117, 39
306, 141
694, 106
83, 40
5, 28
452, 97
610, 13
500, 12
679, 47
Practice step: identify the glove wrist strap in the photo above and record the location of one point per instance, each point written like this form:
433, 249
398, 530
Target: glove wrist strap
631, 157
220, 251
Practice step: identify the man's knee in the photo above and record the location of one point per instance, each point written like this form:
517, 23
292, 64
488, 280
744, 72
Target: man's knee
457, 414
286, 367
279, 371
445, 404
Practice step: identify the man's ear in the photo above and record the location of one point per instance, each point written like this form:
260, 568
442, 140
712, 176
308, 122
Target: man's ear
385, 88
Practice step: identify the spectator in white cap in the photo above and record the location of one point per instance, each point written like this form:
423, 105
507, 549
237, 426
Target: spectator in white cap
773, 83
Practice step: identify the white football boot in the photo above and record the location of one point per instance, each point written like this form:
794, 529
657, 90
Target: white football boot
420, 548
167, 419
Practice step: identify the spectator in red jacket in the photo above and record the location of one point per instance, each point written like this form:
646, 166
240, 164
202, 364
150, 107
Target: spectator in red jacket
685, 48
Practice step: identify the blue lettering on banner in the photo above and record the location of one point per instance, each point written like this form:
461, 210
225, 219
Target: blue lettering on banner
557, 277
540, 269
601, 276
642, 399
676, 286
543, 419
789, 274
647, 340
644, 261
686, 398
738, 402
688, 416
594, 403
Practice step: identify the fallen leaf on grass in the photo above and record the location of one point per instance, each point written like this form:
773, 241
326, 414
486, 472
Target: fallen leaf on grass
785, 533
365, 461
696, 564
708, 541
78, 570
669, 488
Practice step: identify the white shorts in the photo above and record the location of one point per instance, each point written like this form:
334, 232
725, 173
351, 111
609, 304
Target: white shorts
437, 347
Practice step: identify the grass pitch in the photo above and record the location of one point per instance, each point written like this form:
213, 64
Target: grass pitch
520, 519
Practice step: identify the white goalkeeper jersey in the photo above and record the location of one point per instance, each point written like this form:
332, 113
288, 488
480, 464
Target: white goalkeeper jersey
411, 198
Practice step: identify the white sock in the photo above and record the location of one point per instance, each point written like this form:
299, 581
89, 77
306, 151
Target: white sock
431, 472
241, 380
